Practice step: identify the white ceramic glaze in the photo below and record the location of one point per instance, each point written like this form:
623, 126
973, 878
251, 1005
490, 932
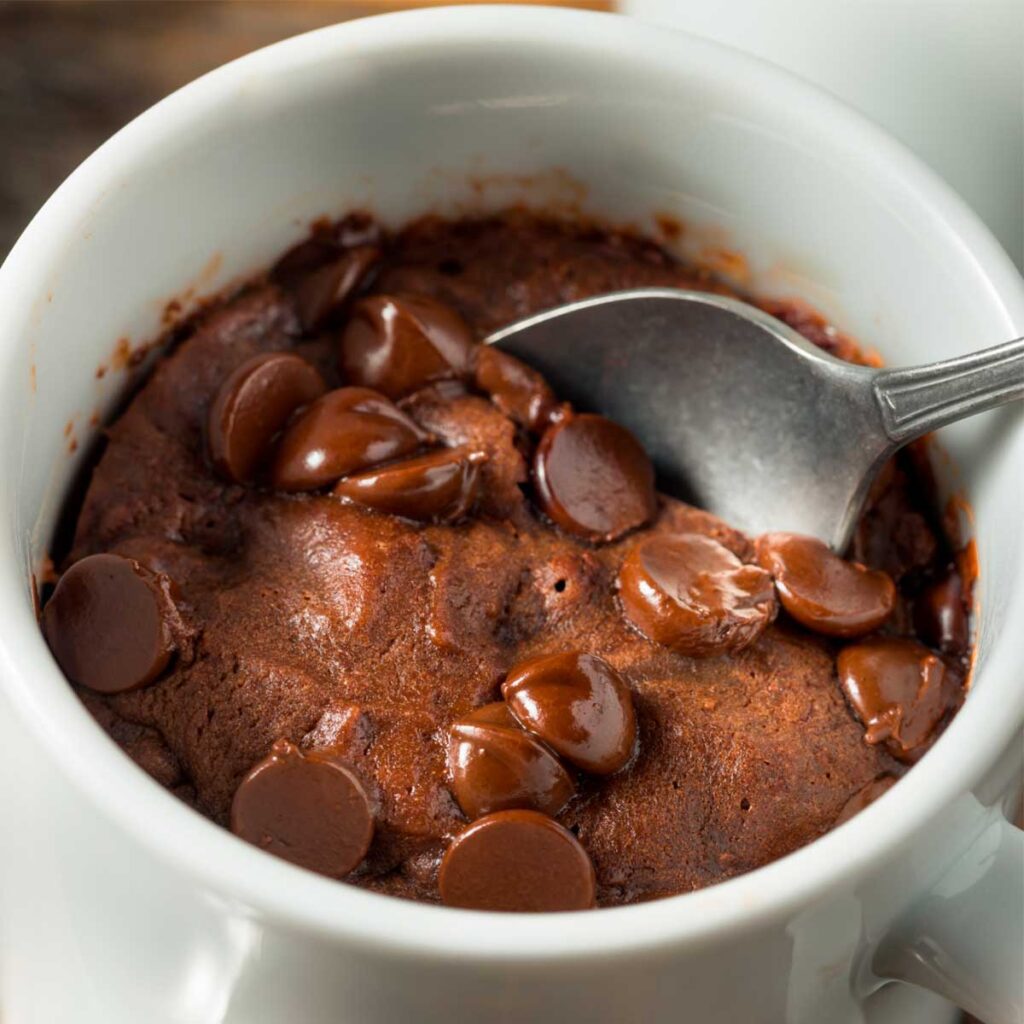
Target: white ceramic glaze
121, 905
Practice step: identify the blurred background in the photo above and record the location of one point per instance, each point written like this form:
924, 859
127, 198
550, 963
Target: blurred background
74, 71
945, 76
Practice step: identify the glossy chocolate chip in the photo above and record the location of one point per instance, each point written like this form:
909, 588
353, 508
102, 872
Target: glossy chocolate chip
495, 765
518, 390
305, 808
328, 244
342, 432
252, 407
322, 294
865, 797
899, 690
593, 478
517, 861
302, 259
108, 624
579, 705
438, 487
690, 593
940, 615
822, 591
398, 344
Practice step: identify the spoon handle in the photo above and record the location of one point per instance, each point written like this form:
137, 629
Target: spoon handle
917, 400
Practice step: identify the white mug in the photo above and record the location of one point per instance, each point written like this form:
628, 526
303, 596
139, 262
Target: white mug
120, 905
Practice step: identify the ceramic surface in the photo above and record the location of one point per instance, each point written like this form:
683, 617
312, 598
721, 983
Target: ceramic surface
121, 905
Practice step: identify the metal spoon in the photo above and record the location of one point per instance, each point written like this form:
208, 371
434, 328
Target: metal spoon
742, 415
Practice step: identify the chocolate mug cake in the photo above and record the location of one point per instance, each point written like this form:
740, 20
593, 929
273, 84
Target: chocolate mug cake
369, 594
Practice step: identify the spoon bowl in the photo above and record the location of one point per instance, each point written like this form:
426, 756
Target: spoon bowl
743, 416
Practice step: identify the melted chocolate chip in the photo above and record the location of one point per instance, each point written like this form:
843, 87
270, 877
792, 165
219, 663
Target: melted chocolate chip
398, 344
437, 487
823, 591
940, 615
517, 861
342, 432
323, 293
900, 690
865, 797
252, 407
690, 593
593, 478
495, 765
579, 705
108, 624
326, 245
518, 390
305, 808
303, 259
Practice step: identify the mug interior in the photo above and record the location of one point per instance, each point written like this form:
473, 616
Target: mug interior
459, 112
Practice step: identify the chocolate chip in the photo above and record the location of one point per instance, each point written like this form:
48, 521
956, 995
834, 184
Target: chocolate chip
305, 808
865, 797
518, 390
495, 765
253, 405
579, 705
342, 432
899, 690
108, 624
822, 591
321, 295
438, 487
398, 344
517, 861
593, 478
303, 259
940, 615
327, 244
690, 593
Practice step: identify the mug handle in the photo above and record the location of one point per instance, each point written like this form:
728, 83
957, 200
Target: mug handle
964, 938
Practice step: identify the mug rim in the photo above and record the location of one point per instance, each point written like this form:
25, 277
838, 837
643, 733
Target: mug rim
234, 871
